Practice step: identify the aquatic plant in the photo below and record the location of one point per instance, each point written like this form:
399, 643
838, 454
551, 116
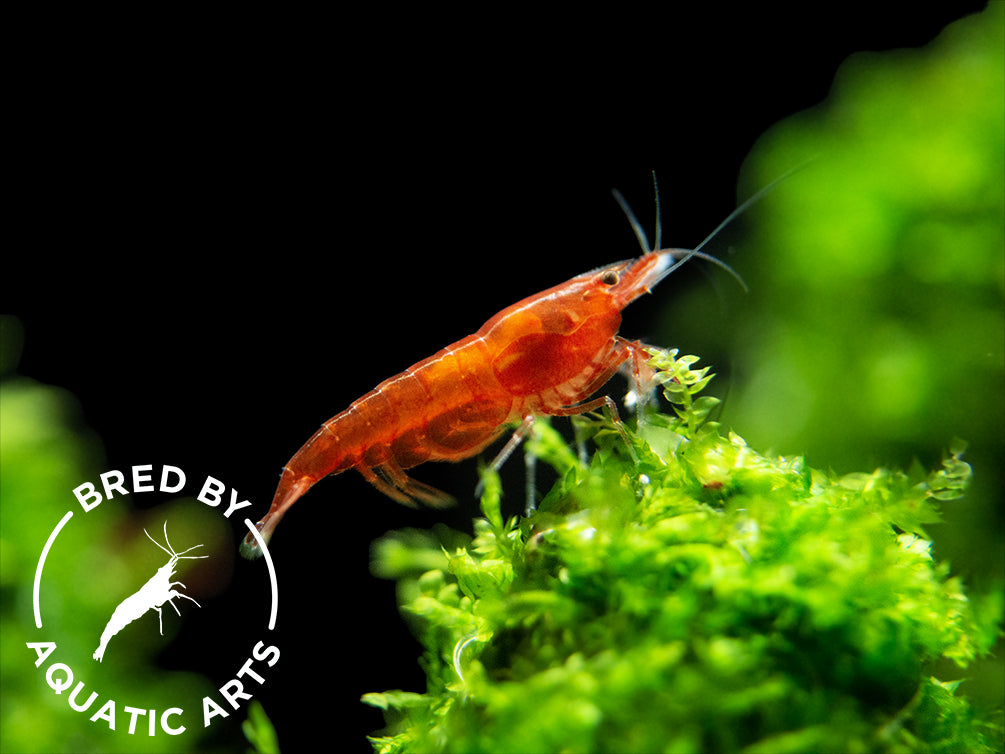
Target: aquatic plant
691, 594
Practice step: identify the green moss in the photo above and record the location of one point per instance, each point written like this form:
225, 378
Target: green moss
703, 597
874, 328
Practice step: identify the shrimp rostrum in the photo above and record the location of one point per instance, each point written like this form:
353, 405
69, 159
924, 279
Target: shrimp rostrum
545, 355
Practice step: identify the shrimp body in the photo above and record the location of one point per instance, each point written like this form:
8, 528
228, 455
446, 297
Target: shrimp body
544, 355
151, 596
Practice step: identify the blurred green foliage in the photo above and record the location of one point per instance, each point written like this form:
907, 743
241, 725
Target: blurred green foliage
880, 268
259, 730
45, 451
691, 595
874, 332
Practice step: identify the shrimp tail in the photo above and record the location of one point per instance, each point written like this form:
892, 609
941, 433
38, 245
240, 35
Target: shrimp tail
131, 608
291, 488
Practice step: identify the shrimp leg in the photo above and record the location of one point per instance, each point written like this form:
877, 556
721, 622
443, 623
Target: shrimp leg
624, 350
518, 436
413, 488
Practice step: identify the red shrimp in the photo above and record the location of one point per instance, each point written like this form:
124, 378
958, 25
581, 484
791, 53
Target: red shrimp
544, 355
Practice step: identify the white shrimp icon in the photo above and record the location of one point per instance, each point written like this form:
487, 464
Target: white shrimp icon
152, 594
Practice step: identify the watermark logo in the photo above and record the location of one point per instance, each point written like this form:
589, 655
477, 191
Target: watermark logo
60, 668
150, 596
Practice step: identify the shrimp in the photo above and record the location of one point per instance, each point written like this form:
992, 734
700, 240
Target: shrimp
544, 355
154, 593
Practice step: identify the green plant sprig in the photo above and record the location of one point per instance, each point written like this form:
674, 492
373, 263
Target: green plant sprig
681, 384
691, 595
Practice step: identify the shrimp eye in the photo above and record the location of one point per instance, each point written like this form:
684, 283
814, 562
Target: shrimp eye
609, 278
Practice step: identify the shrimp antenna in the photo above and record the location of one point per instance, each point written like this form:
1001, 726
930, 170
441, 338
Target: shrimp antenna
633, 221
753, 200
659, 222
171, 551
686, 254
640, 234
697, 252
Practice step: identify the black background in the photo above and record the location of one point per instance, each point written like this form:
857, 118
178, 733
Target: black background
222, 240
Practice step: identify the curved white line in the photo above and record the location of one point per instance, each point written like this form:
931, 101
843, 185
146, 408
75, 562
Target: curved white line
458, 648
272, 571
41, 563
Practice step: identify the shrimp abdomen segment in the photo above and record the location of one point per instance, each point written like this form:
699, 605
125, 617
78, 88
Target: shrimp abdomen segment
467, 408
445, 408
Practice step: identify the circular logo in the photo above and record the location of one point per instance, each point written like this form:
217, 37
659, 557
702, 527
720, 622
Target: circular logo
131, 601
